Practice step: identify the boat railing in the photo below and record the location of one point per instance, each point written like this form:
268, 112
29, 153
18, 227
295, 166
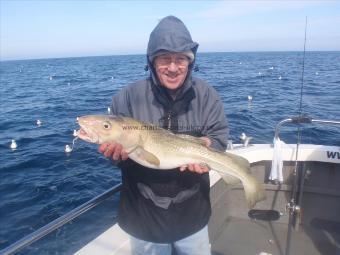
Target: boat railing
59, 222
302, 120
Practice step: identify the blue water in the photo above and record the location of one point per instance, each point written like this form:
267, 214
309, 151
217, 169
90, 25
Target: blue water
40, 182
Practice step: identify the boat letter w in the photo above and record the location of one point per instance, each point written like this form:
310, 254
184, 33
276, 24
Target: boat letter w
333, 154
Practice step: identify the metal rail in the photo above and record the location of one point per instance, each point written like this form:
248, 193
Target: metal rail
302, 120
59, 222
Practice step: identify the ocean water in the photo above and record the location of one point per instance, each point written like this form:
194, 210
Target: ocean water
40, 182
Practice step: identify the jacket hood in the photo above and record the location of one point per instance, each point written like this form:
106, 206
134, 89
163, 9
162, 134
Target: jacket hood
170, 35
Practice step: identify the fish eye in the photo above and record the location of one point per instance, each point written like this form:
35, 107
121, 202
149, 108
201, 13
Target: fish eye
107, 125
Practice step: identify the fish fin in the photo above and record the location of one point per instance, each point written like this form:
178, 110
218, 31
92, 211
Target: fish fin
254, 191
147, 156
226, 177
191, 138
229, 179
239, 160
130, 150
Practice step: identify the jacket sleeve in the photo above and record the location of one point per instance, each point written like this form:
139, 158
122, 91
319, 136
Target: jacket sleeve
120, 107
121, 104
216, 124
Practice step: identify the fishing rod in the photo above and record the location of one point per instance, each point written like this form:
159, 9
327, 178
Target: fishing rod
293, 206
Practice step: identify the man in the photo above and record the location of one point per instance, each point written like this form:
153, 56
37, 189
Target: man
162, 210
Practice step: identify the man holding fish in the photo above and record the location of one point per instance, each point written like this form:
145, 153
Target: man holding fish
166, 210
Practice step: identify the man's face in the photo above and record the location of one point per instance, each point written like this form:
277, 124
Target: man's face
171, 69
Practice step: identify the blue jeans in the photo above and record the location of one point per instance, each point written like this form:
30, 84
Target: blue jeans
196, 244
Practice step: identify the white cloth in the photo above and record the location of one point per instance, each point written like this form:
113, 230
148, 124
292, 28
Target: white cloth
277, 162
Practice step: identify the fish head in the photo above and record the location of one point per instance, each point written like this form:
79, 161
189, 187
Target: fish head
100, 128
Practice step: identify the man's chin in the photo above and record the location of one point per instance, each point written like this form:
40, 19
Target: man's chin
172, 84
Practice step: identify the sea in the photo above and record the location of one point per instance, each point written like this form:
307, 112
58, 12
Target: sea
40, 182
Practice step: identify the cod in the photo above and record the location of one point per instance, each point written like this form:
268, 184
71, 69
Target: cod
161, 149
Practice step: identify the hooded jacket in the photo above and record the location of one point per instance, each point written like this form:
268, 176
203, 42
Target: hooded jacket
166, 206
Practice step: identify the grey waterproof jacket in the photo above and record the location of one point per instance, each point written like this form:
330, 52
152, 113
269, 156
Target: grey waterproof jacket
165, 206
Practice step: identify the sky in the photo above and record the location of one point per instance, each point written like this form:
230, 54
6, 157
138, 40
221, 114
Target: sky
32, 29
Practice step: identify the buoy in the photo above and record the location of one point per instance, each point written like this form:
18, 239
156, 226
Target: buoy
39, 122
250, 98
13, 145
68, 148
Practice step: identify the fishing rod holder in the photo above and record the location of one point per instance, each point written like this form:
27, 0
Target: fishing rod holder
292, 208
230, 145
246, 139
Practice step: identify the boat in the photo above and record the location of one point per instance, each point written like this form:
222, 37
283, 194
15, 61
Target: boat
300, 215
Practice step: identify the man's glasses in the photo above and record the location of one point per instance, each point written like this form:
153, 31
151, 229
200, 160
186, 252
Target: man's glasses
167, 59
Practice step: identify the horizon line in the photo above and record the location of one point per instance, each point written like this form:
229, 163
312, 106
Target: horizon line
141, 54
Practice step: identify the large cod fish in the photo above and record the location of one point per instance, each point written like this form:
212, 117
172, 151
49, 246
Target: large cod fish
158, 148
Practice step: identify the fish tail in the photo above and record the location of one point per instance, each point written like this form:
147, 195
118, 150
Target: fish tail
233, 169
254, 191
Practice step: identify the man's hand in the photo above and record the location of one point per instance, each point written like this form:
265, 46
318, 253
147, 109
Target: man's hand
198, 168
206, 140
113, 151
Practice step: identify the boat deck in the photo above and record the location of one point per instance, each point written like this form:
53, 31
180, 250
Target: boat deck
233, 232
240, 236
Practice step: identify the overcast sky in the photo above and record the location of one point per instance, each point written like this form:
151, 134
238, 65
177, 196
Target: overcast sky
44, 29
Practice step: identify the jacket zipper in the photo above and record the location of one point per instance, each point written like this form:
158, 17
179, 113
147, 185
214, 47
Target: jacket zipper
169, 120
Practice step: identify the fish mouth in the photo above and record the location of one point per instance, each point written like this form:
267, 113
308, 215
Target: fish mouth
87, 134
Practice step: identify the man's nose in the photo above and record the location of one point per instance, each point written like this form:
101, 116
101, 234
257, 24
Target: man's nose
173, 67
